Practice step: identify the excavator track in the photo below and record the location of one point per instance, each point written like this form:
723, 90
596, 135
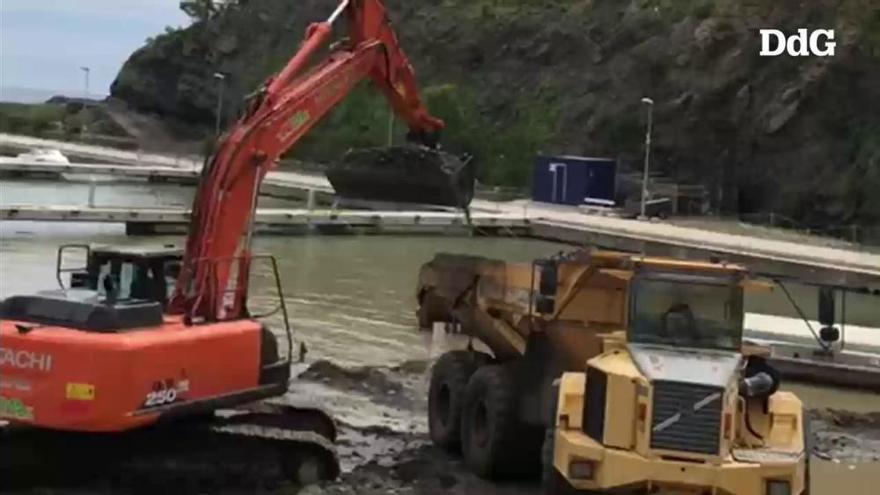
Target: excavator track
256, 447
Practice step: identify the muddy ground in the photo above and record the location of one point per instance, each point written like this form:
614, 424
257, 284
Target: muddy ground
419, 469
383, 446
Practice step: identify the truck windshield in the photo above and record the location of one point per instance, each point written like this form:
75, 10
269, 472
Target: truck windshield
687, 311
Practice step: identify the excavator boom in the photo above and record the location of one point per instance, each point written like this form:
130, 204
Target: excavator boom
213, 283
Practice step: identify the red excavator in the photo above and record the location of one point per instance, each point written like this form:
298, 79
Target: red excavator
141, 339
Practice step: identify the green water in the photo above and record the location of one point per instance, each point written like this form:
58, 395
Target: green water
352, 299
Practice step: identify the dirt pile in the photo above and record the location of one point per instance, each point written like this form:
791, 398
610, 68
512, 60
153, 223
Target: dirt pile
797, 136
845, 436
367, 378
387, 386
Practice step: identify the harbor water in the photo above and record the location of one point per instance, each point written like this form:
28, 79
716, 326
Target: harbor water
352, 299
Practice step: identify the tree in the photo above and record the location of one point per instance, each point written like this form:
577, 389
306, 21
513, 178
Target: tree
199, 10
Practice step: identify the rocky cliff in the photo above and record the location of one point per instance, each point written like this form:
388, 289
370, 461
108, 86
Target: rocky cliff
796, 136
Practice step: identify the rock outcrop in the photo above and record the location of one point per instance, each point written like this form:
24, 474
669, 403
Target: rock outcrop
797, 136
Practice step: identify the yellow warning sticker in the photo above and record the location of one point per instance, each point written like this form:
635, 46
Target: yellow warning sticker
80, 391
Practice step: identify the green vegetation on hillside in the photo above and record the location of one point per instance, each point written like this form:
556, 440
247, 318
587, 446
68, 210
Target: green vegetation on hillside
504, 155
513, 78
32, 120
57, 120
69, 120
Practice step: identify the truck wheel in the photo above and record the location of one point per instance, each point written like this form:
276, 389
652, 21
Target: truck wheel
489, 428
449, 379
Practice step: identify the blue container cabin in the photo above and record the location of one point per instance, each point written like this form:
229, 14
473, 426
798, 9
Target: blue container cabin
575, 180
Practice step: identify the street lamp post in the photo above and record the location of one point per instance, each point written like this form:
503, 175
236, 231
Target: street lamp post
650, 104
86, 72
219, 76
390, 128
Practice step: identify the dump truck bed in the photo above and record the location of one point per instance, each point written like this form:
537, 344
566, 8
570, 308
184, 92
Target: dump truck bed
498, 302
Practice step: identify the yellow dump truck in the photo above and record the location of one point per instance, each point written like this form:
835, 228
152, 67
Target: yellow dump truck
609, 372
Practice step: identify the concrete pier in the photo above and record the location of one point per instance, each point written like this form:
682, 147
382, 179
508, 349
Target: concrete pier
805, 262
147, 221
277, 184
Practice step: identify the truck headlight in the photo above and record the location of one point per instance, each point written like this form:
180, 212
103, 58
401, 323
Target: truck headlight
778, 487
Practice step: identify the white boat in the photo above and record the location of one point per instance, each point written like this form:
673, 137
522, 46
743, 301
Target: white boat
43, 155
54, 156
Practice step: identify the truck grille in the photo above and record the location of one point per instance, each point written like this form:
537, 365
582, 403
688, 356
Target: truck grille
687, 417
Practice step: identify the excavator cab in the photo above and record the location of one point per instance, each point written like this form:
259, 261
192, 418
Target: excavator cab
120, 273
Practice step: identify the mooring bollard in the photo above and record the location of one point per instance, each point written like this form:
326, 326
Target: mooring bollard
92, 187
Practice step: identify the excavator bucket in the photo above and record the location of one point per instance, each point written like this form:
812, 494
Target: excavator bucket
404, 174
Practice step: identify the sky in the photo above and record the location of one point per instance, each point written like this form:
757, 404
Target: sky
43, 43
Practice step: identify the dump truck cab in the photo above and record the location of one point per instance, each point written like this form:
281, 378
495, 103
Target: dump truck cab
677, 405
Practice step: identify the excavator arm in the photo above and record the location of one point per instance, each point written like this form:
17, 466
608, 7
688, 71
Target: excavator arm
213, 281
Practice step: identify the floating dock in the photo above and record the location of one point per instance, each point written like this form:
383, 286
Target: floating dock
277, 184
806, 263
149, 221
811, 264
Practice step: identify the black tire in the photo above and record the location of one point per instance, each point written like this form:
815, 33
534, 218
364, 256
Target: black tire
490, 436
449, 379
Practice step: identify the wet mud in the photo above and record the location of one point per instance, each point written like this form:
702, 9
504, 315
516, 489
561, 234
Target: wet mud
383, 447
839, 437
387, 386
844, 436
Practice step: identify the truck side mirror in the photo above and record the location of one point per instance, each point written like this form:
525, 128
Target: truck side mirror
549, 273
545, 305
545, 300
826, 306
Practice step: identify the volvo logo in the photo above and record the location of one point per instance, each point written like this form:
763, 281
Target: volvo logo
675, 418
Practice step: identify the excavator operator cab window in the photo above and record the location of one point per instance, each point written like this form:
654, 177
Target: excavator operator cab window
120, 280
129, 279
